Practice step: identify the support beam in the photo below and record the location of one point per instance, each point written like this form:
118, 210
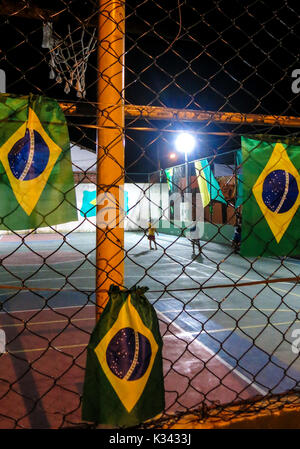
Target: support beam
185, 115
26, 11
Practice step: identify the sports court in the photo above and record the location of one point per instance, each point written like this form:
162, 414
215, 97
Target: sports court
220, 344
117, 116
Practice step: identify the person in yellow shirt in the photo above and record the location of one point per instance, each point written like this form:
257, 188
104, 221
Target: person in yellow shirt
151, 235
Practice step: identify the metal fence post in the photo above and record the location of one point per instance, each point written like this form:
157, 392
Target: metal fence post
110, 161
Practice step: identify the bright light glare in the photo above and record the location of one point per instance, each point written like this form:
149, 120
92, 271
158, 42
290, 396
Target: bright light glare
172, 155
185, 143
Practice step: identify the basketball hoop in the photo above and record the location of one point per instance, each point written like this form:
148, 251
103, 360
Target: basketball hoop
68, 58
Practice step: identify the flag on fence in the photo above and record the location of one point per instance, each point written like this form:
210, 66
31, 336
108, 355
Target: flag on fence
239, 180
123, 383
208, 185
36, 178
271, 186
171, 187
169, 176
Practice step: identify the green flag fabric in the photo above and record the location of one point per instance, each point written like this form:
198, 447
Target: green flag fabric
208, 185
36, 178
239, 187
123, 383
173, 175
176, 179
271, 186
169, 176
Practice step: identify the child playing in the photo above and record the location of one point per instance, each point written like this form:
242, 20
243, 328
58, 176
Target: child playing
151, 235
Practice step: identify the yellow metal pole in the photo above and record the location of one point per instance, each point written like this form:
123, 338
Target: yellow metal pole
110, 156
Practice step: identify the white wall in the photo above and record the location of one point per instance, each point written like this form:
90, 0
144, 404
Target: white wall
144, 201
138, 215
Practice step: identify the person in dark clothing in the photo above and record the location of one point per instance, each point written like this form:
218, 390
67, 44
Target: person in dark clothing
237, 238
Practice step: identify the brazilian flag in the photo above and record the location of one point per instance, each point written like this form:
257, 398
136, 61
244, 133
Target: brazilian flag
123, 383
239, 183
171, 186
36, 178
169, 176
271, 198
208, 185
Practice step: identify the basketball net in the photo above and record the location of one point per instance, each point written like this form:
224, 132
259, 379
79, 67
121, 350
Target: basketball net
68, 58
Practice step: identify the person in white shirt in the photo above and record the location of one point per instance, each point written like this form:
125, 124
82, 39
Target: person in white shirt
194, 237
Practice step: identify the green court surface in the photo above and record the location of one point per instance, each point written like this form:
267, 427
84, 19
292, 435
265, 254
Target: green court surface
249, 328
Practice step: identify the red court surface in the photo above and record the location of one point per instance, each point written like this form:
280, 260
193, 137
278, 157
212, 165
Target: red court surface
50, 257
37, 255
42, 374
31, 237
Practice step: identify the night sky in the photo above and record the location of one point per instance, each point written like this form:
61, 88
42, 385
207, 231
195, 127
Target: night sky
233, 56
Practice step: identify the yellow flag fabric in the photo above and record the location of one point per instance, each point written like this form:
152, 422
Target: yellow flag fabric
26, 188
208, 185
271, 197
36, 178
202, 183
124, 379
128, 318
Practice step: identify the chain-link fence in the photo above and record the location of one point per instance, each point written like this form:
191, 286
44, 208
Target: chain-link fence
223, 271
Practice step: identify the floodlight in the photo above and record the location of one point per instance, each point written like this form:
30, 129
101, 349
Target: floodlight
185, 142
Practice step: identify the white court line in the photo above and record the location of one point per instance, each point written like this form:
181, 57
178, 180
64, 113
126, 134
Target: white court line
47, 279
217, 357
183, 333
48, 309
240, 276
169, 278
252, 309
45, 269
186, 245
247, 279
229, 329
288, 283
191, 261
65, 288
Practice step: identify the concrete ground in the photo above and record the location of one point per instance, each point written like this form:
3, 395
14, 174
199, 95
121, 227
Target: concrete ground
250, 328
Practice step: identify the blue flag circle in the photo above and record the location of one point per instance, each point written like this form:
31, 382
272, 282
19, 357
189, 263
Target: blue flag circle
20, 160
280, 191
128, 350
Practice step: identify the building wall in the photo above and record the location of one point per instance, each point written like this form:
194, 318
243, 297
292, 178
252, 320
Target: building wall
142, 201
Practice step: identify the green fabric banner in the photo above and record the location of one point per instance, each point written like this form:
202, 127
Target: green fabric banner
123, 383
36, 178
271, 186
208, 185
169, 176
239, 178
